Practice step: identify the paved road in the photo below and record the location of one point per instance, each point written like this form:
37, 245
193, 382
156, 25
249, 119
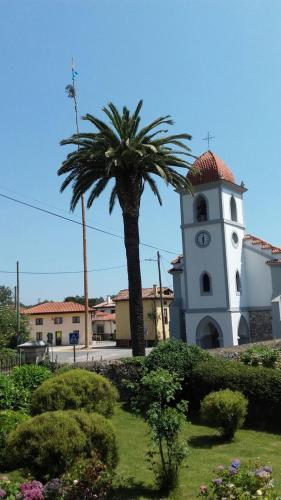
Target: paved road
99, 351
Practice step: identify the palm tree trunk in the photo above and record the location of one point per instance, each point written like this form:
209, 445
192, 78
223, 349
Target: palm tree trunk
131, 234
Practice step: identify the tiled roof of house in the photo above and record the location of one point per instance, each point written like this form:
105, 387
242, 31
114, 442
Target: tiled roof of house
263, 245
103, 316
177, 260
104, 304
147, 293
56, 308
209, 168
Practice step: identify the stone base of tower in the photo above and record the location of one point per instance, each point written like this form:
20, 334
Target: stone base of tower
217, 329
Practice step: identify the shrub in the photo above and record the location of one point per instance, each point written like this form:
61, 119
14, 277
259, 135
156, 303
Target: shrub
241, 482
176, 357
88, 479
157, 391
13, 397
261, 356
50, 443
261, 386
226, 410
75, 389
8, 355
9, 420
30, 376
100, 435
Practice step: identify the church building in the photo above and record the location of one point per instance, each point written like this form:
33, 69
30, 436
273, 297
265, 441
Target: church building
227, 284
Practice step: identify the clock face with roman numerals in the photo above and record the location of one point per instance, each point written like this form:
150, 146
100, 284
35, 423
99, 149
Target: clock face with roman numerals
203, 239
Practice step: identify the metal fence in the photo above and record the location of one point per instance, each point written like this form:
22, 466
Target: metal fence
6, 366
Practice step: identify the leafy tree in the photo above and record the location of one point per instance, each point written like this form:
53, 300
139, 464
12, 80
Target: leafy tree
8, 327
81, 300
6, 296
131, 158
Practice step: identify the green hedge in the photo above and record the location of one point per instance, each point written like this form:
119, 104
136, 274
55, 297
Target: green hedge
75, 389
176, 357
30, 376
261, 386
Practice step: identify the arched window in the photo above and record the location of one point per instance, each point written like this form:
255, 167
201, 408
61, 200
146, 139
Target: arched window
201, 209
233, 209
238, 282
205, 284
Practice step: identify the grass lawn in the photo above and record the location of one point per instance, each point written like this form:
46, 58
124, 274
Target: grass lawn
206, 452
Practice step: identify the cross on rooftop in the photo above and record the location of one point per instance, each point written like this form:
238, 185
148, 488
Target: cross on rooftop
208, 138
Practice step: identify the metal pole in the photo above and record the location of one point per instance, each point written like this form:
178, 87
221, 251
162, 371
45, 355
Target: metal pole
18, 305
74, 354
161, 296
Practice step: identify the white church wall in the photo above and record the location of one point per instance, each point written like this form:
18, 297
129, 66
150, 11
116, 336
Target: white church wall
209, 259
212, 196
234, 264
258, 276
223, 320
227, 193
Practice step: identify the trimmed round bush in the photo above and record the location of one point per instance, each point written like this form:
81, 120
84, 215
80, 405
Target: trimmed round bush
176, 357
30, 376
100, 435
73, 390
9, 419
225, 410
49, 443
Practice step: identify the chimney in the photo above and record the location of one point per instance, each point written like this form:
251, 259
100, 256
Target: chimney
155, 290
108, 299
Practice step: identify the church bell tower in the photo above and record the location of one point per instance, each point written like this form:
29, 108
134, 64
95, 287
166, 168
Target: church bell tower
212, 223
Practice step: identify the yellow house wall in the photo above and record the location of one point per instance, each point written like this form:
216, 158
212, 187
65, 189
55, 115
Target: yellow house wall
153, 327
66, 327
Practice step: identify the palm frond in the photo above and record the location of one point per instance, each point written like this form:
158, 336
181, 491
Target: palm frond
153, 186
112, 199
97, 190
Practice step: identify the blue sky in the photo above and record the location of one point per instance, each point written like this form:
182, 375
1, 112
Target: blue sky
212, 64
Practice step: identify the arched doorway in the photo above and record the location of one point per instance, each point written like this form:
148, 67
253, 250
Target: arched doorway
209, 334
243, 332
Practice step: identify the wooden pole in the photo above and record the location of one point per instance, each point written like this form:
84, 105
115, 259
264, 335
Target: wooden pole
84, 231
18, 304
161, 296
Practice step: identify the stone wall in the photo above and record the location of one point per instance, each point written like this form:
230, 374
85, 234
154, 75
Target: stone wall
260, 325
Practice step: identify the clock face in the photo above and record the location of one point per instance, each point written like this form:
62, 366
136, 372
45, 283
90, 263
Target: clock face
203, 239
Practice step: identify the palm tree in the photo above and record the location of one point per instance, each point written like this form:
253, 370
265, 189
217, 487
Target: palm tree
131, 158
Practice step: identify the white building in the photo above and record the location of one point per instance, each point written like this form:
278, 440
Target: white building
227, 285
60, 319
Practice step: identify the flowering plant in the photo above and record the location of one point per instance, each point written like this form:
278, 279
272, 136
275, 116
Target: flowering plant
239, 483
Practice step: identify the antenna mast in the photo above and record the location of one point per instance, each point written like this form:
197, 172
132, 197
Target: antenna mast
71, 92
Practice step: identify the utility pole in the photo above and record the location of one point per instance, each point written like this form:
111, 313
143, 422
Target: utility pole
18, 303
71, 91
161, 293
161, 296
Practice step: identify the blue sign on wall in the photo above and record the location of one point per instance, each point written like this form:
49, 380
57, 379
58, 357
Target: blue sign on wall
74, 338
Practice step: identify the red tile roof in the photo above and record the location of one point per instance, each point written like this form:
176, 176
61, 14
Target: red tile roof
264, 245
103, 316
209, 168
104, 304
55, 308
177, 259
147, 293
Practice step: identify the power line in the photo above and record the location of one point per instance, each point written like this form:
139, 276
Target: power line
64, 272
80, 223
